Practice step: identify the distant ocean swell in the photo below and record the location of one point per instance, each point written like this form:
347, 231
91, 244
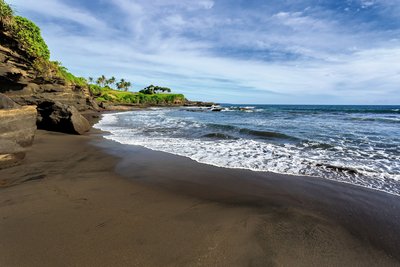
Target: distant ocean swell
324, 141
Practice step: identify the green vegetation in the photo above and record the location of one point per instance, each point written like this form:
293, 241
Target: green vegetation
120, 97
103, 82
24, 31
54, 69
6, 12
102, 92
123, 85
151, 89
69, 77
28, 34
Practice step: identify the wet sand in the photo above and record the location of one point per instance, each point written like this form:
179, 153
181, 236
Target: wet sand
73, 204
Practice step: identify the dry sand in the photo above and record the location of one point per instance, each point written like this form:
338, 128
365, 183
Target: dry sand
72, 204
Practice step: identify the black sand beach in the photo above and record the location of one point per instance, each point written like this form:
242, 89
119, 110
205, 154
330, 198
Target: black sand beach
71, 203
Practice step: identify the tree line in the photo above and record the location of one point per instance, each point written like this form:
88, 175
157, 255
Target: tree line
102, 81
152, 89
125, 85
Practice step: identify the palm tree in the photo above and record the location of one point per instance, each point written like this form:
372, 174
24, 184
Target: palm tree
111, 81
101, 80
164, 89
123, 85
90, 79
127, 85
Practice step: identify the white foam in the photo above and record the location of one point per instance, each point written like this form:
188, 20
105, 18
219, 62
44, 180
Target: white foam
143, 130
107, 119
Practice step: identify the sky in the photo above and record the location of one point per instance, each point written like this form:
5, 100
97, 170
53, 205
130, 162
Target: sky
232, 51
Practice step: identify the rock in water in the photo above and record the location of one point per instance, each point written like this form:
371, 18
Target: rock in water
17, 130
55, 116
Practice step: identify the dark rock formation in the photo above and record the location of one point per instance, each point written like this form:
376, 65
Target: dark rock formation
27, 82
7, 103
58, 101
198, 104
17, 129
23, 83
55, 116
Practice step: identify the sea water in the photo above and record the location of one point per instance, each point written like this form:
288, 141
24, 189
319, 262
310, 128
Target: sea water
353, 144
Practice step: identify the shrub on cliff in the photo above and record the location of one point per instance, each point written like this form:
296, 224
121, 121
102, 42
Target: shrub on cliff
25, 32
45, 68
68, 76
6, 13
55, 70
30, 37
95, 89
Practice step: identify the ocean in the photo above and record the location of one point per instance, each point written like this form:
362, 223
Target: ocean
359, 145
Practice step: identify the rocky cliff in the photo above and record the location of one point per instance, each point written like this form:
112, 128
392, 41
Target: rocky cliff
17, 130
34, 94
23, 83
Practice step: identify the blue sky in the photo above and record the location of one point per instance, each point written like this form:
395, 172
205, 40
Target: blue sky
236, 51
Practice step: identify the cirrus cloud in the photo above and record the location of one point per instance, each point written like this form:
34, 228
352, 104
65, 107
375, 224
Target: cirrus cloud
232, 51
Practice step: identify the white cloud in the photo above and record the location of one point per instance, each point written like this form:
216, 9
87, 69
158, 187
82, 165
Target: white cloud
185, 45
350, 77
206, 4
57, 9
297, 20
175, 22
367, 3
129, 6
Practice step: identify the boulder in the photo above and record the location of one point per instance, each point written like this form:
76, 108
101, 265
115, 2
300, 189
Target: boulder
55, 116
17, 130
7, 103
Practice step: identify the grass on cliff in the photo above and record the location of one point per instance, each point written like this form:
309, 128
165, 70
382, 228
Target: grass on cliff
104, 94
24, 31
54, 69
28, 34
6, 11
29, 37
69, 77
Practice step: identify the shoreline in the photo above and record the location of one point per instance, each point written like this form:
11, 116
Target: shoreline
389, 185
316, 194
267, 173
85, 200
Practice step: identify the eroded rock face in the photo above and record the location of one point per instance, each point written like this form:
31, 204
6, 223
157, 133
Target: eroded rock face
24, 85
7, 103
59, 117
17, 130
58, 101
